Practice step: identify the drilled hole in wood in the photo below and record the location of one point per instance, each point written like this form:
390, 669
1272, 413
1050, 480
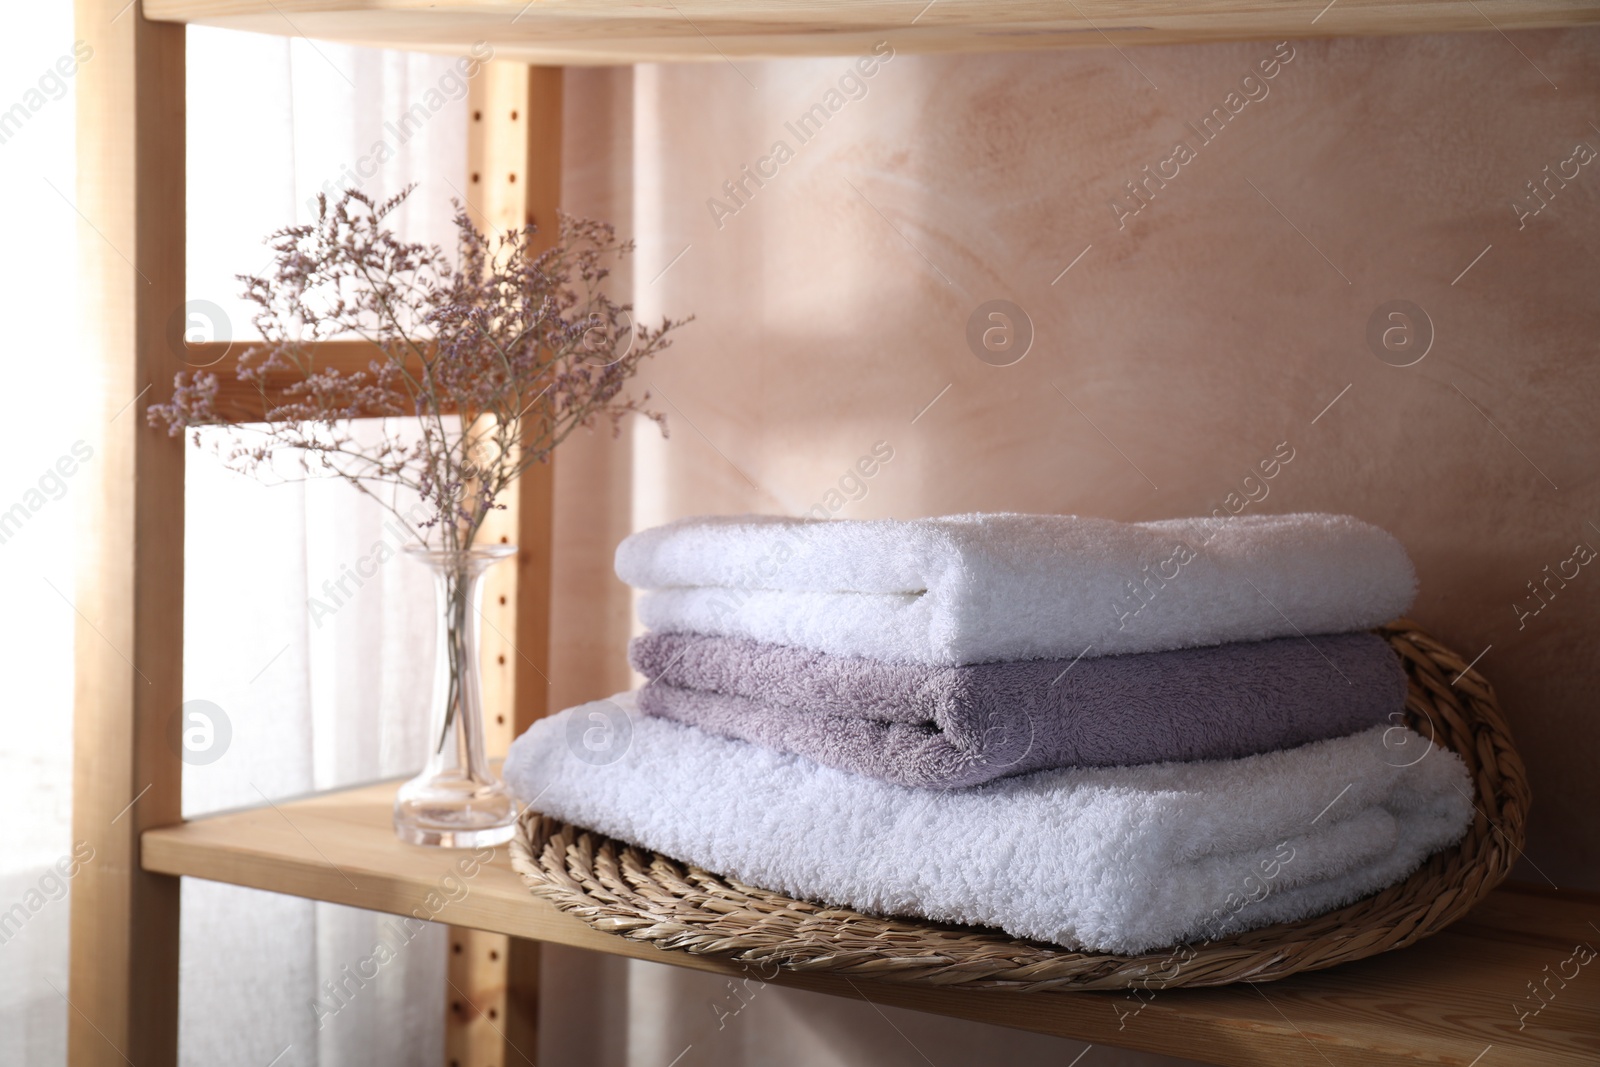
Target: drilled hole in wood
502, 600
504, 540
474, 178
512, 178
500, 659
493, 1014
500, 720
493, 955
477, 116
513, 116
457, 948
455, 1006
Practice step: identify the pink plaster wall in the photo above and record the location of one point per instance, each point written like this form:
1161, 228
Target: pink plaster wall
1191, 338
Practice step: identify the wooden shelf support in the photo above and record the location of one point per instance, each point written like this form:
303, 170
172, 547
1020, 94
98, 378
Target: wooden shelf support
127, 773
514, 178
575, 32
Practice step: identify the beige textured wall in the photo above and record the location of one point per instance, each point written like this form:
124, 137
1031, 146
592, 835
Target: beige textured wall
1184, 346
592, 611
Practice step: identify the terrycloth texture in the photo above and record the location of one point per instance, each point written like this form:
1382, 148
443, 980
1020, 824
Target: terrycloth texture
1118, 859
979, 588
957, 726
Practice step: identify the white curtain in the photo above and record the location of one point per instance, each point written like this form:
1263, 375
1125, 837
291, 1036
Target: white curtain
313, 698
310, 703
38, 303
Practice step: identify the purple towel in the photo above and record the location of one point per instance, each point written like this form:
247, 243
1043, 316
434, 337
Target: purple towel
944, 727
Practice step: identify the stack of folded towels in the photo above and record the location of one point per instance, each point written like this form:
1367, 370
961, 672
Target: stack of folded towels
1115, 737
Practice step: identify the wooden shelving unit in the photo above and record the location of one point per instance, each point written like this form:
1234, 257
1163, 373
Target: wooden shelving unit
573, 32
1453, 999
1443, 1001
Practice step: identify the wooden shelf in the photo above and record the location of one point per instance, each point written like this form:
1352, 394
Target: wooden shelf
614, 31
1443, 1001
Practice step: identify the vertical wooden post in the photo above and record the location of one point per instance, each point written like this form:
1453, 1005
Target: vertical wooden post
127, 774
535, 533
514, 165
496, 203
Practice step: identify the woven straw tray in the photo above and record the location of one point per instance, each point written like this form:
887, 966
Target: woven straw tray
637, 894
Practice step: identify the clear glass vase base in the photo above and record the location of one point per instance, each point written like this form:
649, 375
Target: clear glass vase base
486, 817
416, 833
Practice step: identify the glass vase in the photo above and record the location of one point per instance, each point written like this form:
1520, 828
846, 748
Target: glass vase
457, 801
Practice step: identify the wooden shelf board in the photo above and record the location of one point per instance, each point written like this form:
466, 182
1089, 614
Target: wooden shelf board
614, 31
1443, 1001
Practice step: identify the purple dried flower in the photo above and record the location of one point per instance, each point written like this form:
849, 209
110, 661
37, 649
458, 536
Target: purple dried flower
523, 346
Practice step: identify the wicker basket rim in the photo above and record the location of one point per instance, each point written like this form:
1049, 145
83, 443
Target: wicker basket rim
640, 895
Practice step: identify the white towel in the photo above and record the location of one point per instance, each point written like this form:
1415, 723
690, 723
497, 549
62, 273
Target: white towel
1120, 859
978, 588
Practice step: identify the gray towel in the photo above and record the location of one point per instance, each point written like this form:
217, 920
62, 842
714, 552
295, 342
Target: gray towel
945, 727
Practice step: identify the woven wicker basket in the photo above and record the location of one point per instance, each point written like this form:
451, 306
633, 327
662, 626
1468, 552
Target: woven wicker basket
637, 894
